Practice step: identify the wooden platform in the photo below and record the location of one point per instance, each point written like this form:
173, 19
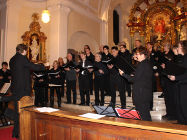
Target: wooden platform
68, 125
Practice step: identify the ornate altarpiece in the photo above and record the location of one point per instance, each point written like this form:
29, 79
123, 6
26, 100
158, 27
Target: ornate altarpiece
36, 41
161, 21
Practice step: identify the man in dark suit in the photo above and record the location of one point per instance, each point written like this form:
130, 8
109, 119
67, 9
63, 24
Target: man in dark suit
142, 84
20, 67
127, 56
116, 81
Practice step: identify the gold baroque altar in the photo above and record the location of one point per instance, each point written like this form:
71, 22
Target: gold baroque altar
157, 21
36, 41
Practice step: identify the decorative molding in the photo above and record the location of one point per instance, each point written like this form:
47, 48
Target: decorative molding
83, 11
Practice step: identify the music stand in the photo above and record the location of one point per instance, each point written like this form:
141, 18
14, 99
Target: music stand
128, 113
3, 91
105, 110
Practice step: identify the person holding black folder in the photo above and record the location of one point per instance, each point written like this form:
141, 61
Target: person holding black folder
106, 56
167, 85
116, 81
127, 56
61, 63
40, 85
84, 70
142, 84
5, 74
55, 79
100, 70
69, 67
182, 82
90, 57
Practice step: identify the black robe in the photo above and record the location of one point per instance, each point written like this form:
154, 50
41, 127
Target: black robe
20, 67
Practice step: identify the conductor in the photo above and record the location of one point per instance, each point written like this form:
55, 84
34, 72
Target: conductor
20, 67
142, 84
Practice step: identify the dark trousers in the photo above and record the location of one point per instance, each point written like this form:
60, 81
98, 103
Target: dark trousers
91, 83
99, 86
84, 87
52, 89
40, 96
84, 93
13, 115
128, 87
144, 110
119, 83
107, 84
46, 94
169, 97
182, 104
62, 87
71, 86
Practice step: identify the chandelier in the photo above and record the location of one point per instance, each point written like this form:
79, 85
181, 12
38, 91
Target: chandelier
45, 15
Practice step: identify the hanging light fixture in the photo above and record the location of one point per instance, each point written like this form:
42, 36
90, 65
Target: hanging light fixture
45, 15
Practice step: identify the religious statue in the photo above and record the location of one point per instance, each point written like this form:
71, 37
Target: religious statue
36, 40
159, 27
34, 49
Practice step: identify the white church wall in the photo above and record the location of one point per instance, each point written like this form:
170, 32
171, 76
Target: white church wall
124, 7
19, 17
82, 25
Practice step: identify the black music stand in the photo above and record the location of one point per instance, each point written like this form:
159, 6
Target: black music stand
106, 110
3, 92
111, 111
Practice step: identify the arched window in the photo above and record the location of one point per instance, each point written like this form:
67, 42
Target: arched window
115, 27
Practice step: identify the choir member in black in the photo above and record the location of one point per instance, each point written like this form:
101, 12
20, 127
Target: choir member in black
100, 70
152, 57
116, 81
40, 87
182, 82
101, 50
138, 44
5, 74
84, 79
91, 58
167, 85
55, 78
5, 77
70, 78
106, 56
127, 56
142, 84
61, 63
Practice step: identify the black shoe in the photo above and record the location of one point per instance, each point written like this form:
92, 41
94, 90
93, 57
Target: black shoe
74, 103
81, 104
161, 96
165, 117
1, 98
123, 107
15, 136
87, 104
101, 104
67, 102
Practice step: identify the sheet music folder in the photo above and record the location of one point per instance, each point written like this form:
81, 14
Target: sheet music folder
111, 111
5, 88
